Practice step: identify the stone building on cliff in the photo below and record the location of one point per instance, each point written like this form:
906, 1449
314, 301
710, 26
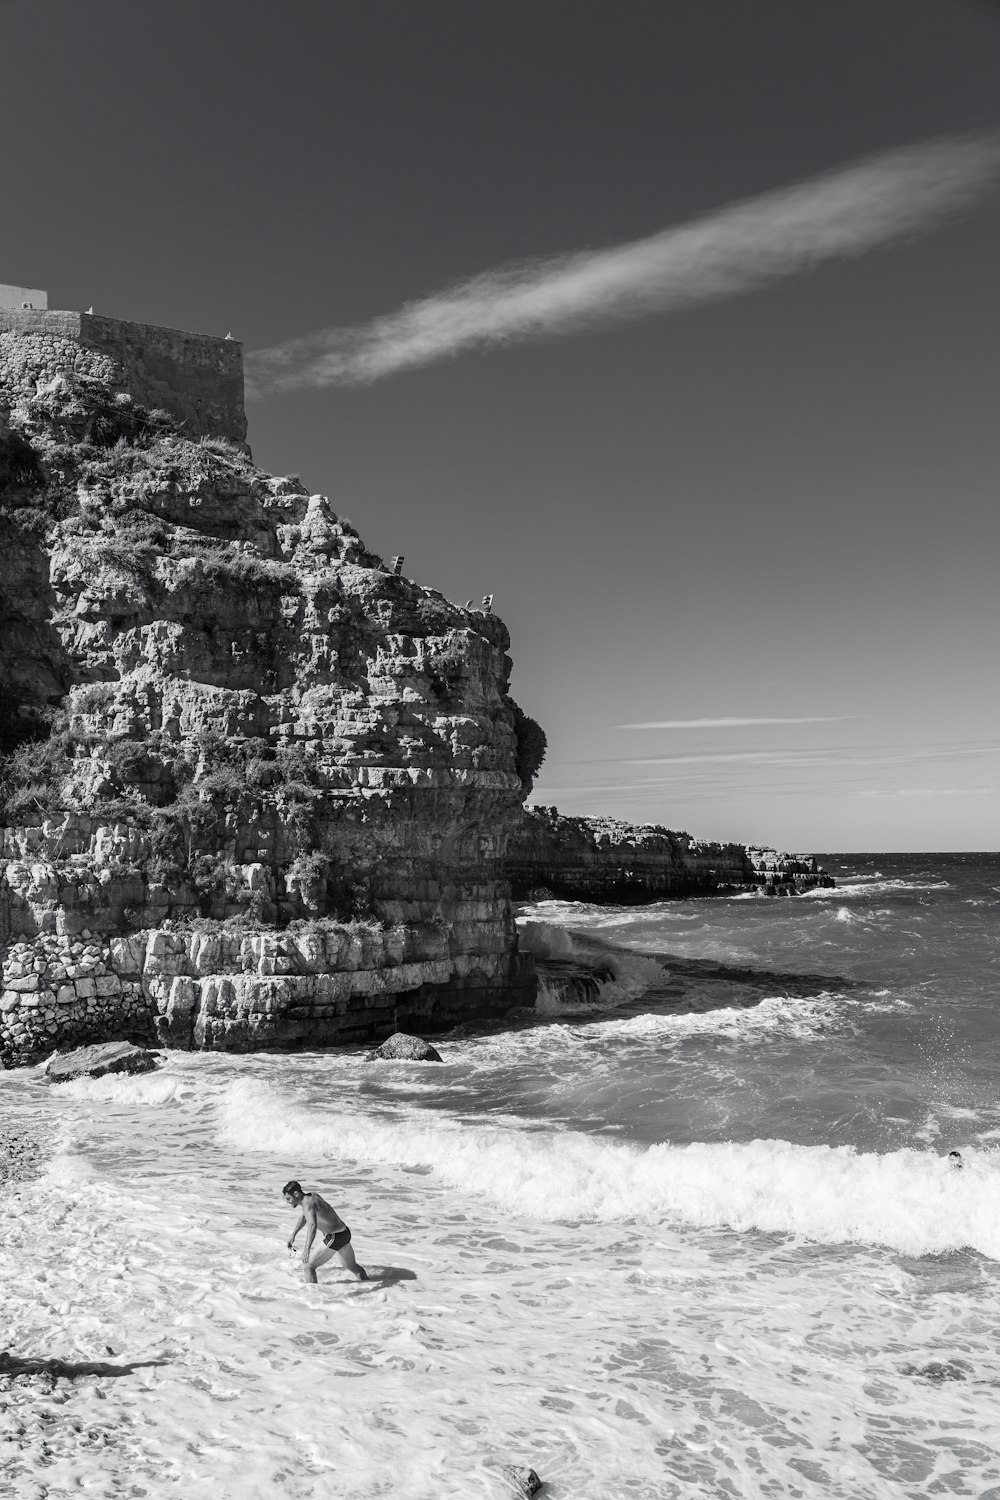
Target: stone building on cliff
257, 788
194, 377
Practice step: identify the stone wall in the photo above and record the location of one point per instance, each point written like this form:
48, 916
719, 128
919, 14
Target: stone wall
326, 984
195, 377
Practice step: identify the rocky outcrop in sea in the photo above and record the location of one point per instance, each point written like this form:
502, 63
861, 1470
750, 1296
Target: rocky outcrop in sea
257, 786
605, 860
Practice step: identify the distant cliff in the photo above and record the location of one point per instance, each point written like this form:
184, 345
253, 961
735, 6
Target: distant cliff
604, 860
257, 789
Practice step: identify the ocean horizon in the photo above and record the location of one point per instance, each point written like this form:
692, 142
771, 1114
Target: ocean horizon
699, 1236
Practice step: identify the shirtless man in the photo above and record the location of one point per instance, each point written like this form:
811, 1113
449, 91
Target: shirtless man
317, 1214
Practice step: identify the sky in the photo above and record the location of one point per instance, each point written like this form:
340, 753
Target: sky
674, 325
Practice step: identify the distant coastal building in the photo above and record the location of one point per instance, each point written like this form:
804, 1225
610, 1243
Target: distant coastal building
22, 298
196, 377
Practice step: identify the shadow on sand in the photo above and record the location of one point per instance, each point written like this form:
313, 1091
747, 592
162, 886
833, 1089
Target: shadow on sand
386, 1276
69, 1369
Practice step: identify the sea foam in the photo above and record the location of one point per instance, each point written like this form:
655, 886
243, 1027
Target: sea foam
862, 886
907, 1200
632, 974
120, 1088
775, 1017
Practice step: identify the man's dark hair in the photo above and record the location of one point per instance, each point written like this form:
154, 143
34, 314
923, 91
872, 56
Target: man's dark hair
291, 1187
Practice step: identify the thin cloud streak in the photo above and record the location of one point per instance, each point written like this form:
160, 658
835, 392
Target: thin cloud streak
834, 754
732, 723
841, 759
734, 250
734, 757
832, 769
935, 791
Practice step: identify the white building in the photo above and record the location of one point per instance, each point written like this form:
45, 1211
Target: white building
18, 298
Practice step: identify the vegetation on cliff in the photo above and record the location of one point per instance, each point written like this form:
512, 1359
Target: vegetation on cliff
532, 743
217, 706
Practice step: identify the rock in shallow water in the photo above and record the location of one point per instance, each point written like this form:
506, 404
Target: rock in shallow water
526, 1481
94, 1062
405, 1048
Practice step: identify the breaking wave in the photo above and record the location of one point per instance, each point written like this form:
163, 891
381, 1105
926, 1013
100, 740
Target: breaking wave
628, 975
907, 1200
865, 886
119, 1088
776, 1016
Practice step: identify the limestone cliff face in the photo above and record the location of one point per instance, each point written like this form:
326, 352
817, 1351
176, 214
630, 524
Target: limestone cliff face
258, 789
604, 860
786, 874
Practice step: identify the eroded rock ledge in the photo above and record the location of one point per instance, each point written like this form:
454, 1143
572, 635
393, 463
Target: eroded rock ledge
604, 860
257, 788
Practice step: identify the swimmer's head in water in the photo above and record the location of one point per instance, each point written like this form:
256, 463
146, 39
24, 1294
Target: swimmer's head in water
292, 1191
955, 1159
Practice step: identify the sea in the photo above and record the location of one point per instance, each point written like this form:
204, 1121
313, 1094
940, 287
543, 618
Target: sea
697, 1235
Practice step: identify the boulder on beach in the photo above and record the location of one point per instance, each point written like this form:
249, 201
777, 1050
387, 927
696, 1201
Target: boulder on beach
404, 1048
95, 1061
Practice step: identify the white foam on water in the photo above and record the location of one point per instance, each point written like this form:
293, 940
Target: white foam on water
863, 886
118, 1088
907, 1200
774, 1015
549, 1001
596, 931
545, 940
553, 1045
596, 918
620, 1354
65, 1169
974, 1125
639, 1323
633, 974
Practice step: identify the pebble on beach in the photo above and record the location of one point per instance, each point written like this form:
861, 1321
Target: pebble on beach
22, 1155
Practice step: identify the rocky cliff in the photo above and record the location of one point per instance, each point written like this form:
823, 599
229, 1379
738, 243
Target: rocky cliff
604, 860
257, 789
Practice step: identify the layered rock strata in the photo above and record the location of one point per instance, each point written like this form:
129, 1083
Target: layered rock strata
257, 788
604, 860
778, 874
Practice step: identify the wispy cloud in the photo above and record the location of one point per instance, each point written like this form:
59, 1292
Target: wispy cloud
733, 723
934, 791
833, 770
740, 247
733, 757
